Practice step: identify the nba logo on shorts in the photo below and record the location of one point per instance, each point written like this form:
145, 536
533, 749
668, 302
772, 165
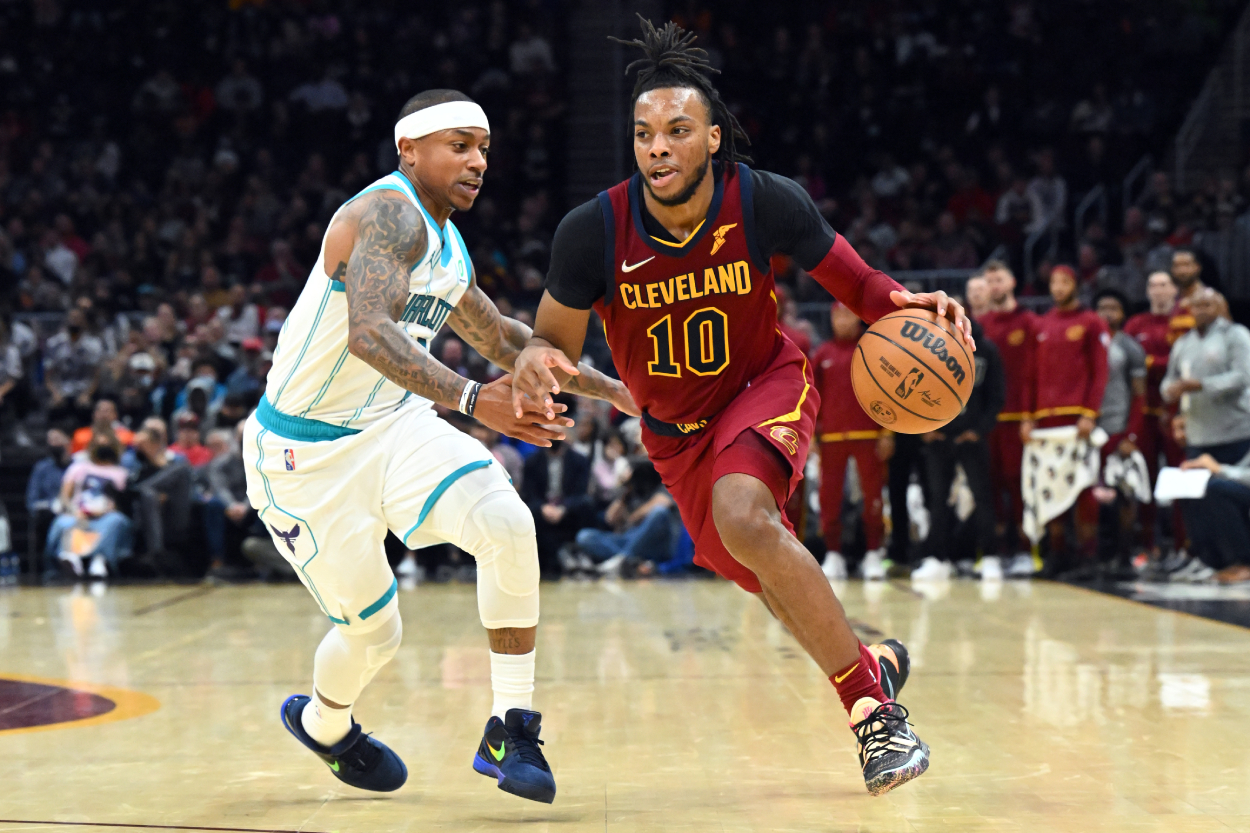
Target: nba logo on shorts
289, 457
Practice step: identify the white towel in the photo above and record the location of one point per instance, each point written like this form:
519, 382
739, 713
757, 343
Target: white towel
1057, 467
1128, 475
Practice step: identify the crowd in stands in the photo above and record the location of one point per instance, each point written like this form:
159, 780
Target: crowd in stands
167, 173
936, 135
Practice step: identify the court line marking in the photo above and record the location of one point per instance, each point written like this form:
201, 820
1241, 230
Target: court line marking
127, 704
181, 597
151, 826
1137, 602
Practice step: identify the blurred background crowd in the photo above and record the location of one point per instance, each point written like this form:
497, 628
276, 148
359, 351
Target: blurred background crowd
167, 172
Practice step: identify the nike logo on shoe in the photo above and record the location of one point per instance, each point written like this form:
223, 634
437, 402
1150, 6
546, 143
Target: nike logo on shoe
334, 765
498, 753
847, 674
625, 267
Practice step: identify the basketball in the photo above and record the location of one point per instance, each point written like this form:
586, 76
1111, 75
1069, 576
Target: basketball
912, 373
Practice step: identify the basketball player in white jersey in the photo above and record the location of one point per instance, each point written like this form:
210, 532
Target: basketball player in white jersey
345, 445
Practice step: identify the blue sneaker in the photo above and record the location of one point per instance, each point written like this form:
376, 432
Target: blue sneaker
358, 760
509, 752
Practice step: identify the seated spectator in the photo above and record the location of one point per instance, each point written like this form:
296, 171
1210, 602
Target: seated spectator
43, 489
15, 396
610, 469
104, 424
227, 514
641, 522
161, 482
204, 379
89, 525
240, 318
248, 379
1220, 520
71, 359
555, 488
188, 440
1208, 375
136, 385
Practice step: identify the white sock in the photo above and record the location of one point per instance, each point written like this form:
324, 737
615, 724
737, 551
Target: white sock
512, 679
325, 725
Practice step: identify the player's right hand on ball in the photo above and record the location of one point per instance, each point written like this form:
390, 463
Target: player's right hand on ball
494, 409
534, 383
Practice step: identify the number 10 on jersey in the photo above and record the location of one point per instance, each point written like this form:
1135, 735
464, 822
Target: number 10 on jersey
706, 334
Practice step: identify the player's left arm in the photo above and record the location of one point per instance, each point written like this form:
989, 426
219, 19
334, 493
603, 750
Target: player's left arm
500, 340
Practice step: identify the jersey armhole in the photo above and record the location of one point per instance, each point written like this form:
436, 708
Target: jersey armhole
609, 246
746, 193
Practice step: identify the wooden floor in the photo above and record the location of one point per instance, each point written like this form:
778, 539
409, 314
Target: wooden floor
667, 707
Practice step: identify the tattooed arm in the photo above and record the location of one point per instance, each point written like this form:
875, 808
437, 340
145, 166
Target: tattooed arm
391, 238
478, 321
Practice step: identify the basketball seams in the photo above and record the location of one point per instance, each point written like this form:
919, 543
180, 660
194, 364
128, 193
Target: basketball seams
868, 369
916, 358
950, 329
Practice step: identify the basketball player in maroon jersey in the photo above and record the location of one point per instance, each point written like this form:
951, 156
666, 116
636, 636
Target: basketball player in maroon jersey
676, 262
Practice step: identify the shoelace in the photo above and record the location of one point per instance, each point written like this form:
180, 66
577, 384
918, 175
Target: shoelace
875, 733
525, 747
361, 755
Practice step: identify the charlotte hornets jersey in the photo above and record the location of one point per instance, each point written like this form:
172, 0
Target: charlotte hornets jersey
316, 388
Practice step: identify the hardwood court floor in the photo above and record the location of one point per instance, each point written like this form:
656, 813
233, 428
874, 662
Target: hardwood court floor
667, 707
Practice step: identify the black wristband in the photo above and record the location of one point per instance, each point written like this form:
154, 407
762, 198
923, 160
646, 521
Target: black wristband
470, 402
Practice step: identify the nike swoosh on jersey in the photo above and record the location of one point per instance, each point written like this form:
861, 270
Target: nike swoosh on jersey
625, 267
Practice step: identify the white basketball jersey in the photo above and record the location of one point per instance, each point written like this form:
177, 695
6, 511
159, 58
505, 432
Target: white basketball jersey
317, 389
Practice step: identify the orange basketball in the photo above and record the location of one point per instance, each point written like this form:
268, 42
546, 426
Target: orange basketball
911, 372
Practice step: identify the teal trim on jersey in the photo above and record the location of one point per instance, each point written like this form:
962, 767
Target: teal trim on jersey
324, 388
382, 602
443, 486
325, 298
380, 186
356, 415
338, 286
464, 253
445, 258
298, 428
406, 187
260, 460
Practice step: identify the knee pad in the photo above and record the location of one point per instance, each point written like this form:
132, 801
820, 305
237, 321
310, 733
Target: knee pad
499, 532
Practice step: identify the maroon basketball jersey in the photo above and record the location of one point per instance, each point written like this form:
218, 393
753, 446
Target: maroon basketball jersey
689, 324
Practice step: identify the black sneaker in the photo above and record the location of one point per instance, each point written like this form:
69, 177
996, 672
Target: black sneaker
890, 754
358, 760
509, 752
895, 665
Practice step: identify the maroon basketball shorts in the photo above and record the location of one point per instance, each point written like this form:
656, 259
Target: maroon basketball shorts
763, 432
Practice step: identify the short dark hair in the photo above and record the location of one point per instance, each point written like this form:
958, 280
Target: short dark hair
429, 98
995, 265
671, 60
1112, 292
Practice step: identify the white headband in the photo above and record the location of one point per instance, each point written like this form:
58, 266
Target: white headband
443, 116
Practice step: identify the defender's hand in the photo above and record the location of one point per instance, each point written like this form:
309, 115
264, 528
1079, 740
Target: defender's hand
943, 304
1026, 429
623, 400
535, 381
495, 410
1085, 426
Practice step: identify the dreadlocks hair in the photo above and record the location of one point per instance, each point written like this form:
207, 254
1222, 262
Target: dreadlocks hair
670, 60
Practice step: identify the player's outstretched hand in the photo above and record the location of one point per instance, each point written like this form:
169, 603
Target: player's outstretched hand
943, 304
534, 383
494, 410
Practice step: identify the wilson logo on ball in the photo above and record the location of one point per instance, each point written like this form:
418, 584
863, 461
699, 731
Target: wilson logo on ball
935, 345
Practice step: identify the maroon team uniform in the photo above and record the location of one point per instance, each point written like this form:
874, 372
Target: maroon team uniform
1014, 333
693, 332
